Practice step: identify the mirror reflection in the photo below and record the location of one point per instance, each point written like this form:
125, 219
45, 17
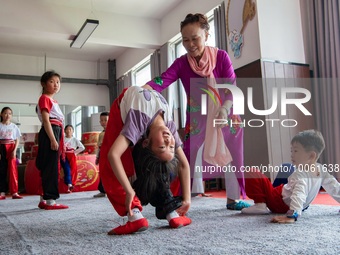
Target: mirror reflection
84, 119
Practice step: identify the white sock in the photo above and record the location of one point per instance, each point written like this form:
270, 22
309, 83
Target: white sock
42, 199
172, 215
3, 194
136, 215
50, 202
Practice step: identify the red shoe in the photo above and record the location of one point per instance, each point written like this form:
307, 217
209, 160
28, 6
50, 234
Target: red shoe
42, 204
17, 196
2, 197
179, 222
130, 227
55, 207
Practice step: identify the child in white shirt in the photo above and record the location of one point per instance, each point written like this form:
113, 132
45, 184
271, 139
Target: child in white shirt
303, 184
73, 148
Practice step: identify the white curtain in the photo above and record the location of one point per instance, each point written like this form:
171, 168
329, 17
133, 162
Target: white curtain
155, 65
123, 82
220, 27
159, 62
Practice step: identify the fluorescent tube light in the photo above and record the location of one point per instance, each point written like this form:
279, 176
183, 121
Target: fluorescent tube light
84, 33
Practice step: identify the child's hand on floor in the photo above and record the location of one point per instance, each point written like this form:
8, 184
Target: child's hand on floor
282, 219
184, 208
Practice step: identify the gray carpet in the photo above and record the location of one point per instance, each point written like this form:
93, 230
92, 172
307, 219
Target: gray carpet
82, 229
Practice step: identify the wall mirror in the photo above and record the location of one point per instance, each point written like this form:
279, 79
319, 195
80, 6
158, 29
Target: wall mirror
83, 118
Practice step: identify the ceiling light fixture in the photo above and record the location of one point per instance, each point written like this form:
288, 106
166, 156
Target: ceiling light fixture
84, 33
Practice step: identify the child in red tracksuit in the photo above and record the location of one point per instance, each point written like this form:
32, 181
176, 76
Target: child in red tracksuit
141, 118
73, 148
9, 141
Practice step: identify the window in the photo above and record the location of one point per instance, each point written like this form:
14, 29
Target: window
77, 123
211, 39
142, 73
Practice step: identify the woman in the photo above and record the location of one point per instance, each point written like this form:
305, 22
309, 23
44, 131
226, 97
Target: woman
199, 70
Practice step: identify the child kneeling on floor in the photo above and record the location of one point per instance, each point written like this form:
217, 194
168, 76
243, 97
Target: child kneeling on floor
142, 118
303, 184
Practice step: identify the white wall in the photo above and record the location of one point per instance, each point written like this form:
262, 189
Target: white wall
70, 93
29, 65
28, 92
129, 59
250, 50
170, 25
281, 36
29, 125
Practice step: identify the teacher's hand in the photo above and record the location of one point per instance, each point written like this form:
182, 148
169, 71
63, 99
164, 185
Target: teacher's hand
222, 113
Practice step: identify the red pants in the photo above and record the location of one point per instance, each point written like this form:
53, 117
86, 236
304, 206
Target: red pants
9, 167
260, 189
72, 160
113, 188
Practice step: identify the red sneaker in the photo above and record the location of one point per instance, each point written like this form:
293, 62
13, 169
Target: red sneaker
2, 197
55, 207
130, 227
17, 196
179, 222
42, 204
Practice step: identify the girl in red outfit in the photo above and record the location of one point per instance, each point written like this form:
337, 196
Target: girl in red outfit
73, 148
51, 141
9, 141
141, 118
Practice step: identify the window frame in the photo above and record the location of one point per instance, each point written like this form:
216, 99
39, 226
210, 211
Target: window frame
138, 68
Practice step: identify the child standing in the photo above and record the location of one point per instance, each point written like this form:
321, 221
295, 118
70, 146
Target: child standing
104, 117
9, 141
303, 184
73, 148
142, 118
51, 141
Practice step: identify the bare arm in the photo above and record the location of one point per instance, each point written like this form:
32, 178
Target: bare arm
14, 153
114, 156
282, 219
80, 148
224, 111
48, 128
146, 86
184, 177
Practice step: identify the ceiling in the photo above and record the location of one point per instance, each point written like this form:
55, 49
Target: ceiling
46, 27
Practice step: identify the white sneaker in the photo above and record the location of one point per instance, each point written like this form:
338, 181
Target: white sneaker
259, 208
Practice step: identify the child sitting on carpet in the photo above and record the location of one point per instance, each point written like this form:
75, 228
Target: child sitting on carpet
142, 118
302, 187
